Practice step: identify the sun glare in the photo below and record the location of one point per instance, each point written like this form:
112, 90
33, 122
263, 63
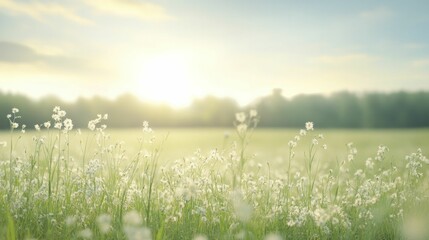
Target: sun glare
165, 78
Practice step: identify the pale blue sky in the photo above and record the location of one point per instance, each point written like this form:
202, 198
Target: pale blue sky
173, 51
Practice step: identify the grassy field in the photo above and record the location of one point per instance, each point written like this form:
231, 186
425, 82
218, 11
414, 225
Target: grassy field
60, 183
266, 144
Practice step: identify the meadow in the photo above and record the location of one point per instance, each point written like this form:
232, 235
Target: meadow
58, 182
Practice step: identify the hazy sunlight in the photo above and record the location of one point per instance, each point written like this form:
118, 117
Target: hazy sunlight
164, 78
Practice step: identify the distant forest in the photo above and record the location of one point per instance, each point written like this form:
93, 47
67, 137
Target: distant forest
339, 110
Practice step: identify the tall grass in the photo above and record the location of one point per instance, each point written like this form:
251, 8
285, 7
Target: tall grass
48, 191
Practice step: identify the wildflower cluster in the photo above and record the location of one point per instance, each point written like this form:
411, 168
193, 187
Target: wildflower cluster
59, 123
92, 125
13, 118
224, 193
244, 121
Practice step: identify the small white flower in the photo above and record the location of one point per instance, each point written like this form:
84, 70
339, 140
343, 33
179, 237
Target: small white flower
309, 126
292, 144
315, 142
62, 113
47, 124
9, 115
146, 127
85, 233
37, 127
15, 125
91, 125
68, 125
132, 218
58, 125
240, 117
302, 132
15, 110
70, 220
104, 223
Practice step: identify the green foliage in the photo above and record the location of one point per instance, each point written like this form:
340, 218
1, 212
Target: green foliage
340, 110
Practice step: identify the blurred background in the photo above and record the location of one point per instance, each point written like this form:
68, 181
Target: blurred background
341, 64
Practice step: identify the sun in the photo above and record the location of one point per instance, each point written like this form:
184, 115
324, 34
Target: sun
165, 78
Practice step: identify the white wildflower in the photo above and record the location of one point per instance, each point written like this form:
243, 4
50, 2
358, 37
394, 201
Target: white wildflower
309, 126
104, 223
135, 233
37, 127
242, 209
62, 113
68, 125
85, 233
369, 163
91, 125
70, 220
132, 218
47, 124
240, 117
146, 127
292, 144
273, 236
58, 125
15, 110
315, 142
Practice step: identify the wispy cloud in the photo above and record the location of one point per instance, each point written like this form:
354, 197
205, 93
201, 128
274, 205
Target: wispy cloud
130, 8
40, 11
376, 14
344, 59
17, 53
13, 54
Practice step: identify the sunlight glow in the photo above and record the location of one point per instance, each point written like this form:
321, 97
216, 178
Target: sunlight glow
165, 78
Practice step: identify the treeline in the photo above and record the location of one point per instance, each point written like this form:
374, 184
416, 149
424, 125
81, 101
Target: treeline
339, 110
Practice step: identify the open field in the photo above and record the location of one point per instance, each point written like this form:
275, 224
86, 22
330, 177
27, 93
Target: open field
266, 144
242, 184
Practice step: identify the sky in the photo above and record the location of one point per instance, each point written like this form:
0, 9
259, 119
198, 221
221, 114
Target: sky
175, 51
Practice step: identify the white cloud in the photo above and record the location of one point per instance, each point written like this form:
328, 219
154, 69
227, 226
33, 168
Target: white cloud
130, 8
39, 11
